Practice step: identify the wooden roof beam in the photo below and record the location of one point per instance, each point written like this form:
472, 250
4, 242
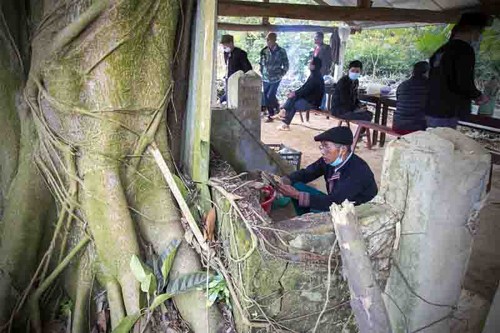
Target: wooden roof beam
365, 3
273, 27
335, 13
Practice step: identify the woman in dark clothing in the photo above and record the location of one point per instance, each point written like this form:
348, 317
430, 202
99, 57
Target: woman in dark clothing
412, 97
308, 97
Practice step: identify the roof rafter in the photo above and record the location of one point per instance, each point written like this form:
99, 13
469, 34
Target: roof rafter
335, 13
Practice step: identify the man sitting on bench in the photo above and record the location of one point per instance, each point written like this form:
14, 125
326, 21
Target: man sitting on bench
347, 176
307, 97
346, 104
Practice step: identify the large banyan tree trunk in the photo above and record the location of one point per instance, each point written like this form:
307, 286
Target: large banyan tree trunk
98, 86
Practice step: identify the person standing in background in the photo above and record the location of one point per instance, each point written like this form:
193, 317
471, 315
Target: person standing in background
273, 66
235, 58
451, 77
323, 52
412, 101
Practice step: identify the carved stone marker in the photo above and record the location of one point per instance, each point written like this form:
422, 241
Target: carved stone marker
438, 180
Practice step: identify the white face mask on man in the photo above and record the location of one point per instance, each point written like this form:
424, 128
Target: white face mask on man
226, 49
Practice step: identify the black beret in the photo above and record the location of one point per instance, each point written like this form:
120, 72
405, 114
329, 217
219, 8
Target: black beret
226, 39
340, 135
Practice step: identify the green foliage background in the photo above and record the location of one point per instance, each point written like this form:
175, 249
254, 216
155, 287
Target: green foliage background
387, 54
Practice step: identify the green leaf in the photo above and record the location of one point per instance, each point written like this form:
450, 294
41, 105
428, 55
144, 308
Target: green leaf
138, 268
187, 282
169, 257
212, 298
160, 299
148, 285
127, 323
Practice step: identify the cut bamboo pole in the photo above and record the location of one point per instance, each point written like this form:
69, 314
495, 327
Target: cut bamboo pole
366, 298
169, 178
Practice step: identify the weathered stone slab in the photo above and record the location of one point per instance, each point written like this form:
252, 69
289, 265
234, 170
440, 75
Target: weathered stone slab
285, 277
437, 179
235, 131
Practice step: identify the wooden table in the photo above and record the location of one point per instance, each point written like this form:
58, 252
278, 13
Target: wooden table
382, 105
483, 122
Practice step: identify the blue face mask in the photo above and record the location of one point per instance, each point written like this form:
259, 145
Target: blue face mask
337, 162
354, 76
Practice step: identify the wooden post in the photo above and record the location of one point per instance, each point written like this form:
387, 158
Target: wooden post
196, 143
265, 20
366, 298
364, 3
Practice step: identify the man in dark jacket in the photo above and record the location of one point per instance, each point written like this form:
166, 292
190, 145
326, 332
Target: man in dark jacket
451, 76
347, 176
307, 97
323, 52
346, 104
411, 102
235, 58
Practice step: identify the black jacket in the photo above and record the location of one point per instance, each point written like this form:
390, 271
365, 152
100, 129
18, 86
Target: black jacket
313, 90
412, 96
353, 181
451, 80
345, 96
325, 54
236, 60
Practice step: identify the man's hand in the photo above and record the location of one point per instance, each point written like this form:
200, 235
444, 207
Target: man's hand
483, 99
288, 191
291, 94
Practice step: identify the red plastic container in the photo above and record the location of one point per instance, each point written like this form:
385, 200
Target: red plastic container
269, 196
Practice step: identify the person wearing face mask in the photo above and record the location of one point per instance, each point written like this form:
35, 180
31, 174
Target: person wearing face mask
411, 102
346, 104
307, 97
347, 176
451, 76
235, 59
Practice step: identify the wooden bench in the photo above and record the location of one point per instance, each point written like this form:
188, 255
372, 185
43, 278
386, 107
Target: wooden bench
369, 126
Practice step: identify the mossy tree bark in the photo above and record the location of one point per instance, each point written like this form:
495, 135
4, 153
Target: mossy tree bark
99, 84
24, 198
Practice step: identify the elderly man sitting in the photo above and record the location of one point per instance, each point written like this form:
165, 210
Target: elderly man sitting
347, 176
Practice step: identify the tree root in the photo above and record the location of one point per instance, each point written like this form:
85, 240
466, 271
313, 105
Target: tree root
35, 318
201, 246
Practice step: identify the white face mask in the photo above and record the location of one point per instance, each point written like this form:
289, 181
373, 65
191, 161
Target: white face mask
226, 49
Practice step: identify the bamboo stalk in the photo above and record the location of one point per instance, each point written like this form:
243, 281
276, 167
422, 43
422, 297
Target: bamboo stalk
366, 298
167, 174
